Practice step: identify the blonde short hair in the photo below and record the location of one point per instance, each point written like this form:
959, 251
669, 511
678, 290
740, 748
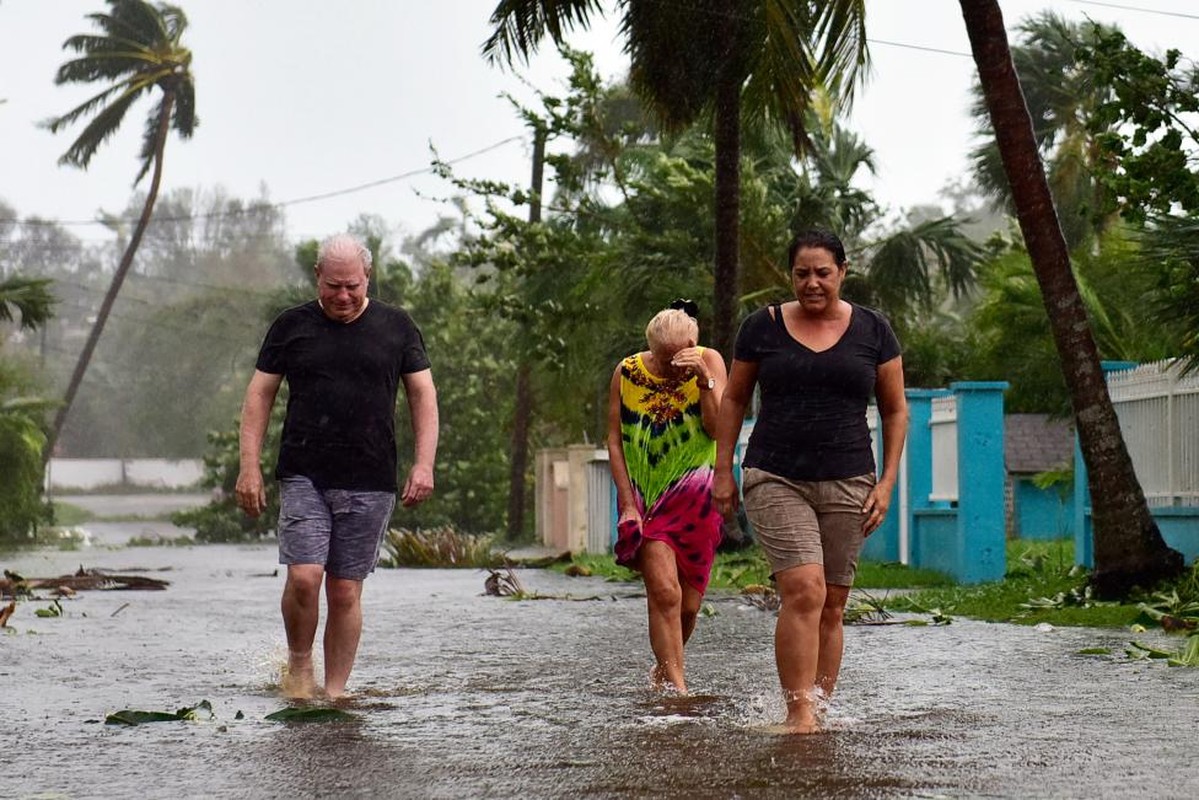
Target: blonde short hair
671, 326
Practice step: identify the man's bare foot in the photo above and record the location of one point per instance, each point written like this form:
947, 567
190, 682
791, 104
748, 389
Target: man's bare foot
298, 682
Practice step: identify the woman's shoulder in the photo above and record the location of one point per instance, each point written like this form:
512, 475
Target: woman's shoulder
629, 363
870, 316
760, 317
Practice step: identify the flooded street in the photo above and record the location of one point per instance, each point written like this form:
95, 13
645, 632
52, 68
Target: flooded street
461, 695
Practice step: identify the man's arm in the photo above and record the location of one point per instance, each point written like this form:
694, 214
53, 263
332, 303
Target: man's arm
422, 408
255, 414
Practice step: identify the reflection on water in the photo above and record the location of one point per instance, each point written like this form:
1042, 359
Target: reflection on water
461, 695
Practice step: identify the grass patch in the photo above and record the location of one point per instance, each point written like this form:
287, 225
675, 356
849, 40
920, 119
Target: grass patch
437, 547
161, 541
69, 514
1042, 584
737, 570
893, 575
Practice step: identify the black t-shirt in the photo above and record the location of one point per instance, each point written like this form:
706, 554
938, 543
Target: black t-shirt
342, 380
812, 422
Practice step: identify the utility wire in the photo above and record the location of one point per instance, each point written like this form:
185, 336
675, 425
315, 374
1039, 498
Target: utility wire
1135, 8
259, 207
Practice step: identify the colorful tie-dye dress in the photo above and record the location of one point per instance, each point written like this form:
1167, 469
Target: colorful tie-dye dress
670, 460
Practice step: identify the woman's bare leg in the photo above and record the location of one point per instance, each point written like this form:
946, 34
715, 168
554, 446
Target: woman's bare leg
797, 641
664, 599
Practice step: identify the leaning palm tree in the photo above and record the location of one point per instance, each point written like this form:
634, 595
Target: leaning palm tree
138, 49
728, 59
1129, 549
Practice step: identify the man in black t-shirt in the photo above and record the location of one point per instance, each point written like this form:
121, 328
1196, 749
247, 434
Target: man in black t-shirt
343, 357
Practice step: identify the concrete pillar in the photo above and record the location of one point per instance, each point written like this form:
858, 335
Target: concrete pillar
981, 537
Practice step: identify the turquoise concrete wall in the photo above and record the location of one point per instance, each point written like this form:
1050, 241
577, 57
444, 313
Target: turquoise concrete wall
1179, 527
935, 540
1042, 514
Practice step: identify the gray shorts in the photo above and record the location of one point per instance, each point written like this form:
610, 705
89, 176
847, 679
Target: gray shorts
808, 522
340, 529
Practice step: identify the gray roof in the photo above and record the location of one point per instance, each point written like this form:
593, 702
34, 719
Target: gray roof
1037, 442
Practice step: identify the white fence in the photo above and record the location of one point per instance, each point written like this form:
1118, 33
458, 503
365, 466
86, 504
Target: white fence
1158, 408
599, 503
944, 427
88, 474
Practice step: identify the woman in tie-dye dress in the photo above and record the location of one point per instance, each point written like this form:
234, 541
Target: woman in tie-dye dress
662, 411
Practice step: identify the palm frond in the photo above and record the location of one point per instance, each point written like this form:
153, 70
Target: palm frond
844, 54
520, 25
102, 126
29, 297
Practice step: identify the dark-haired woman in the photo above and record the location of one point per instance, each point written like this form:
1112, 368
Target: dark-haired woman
809, 478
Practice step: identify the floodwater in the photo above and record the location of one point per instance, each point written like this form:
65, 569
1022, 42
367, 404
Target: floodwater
460, 695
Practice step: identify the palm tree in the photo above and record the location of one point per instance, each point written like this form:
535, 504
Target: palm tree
727, 58
1129, 549
137, 50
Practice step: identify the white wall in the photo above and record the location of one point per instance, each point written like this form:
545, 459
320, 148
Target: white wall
85, 474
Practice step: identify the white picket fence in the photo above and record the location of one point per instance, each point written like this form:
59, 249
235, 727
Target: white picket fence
1158, 408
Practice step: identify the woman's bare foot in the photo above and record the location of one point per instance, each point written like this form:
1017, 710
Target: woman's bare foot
807, 726
661, 683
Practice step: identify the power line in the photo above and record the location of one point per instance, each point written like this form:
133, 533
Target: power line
259, 207
921, 47
1134, 8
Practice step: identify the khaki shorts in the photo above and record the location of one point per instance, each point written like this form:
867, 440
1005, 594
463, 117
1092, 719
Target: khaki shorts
808, 522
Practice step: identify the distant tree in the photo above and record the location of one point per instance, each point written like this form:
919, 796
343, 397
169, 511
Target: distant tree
1013, 338
138, 49
1172, 244
1064, 96
1129, 549
180, 342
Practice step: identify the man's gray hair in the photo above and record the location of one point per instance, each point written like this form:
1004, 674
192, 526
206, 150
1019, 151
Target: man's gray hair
341, 247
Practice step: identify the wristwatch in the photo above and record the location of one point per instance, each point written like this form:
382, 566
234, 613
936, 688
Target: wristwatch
710, 385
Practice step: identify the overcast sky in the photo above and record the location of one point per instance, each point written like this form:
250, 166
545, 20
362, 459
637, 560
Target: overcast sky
309, 97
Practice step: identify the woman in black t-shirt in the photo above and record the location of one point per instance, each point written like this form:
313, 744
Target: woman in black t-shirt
809, 477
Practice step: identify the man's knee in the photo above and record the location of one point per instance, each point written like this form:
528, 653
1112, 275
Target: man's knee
342, 593
304, 581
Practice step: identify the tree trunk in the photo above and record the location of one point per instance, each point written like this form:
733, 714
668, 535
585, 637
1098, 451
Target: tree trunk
1129, 549
118, 278
522, 412
726, 277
